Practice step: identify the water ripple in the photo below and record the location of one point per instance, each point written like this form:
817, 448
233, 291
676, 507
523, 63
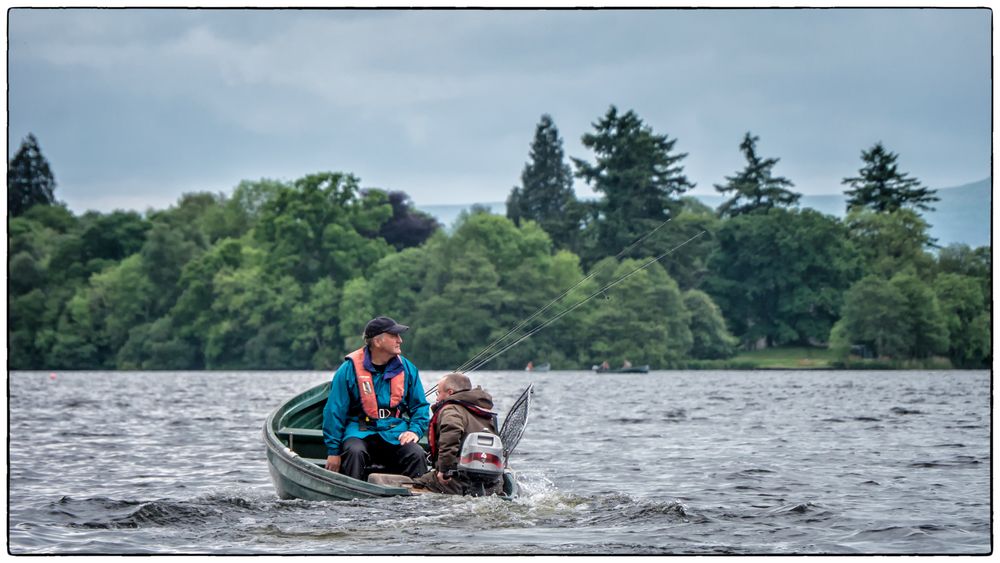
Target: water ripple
718, 463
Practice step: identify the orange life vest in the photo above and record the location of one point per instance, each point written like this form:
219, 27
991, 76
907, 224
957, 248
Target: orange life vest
366, 389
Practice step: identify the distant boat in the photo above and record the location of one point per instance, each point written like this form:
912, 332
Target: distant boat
540, 367
630, 369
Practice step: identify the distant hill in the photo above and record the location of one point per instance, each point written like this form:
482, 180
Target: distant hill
962, 216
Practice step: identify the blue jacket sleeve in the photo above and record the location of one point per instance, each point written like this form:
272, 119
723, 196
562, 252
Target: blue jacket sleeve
420, 409
335, 412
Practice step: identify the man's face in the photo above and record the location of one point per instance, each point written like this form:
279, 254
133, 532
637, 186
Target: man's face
442, 394
388, 343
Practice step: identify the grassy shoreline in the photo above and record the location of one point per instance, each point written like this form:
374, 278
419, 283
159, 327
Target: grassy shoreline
808, 358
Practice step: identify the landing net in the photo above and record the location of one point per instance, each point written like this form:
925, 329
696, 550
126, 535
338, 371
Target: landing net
514, 424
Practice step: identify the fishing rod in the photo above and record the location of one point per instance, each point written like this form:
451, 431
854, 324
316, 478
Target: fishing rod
584, 301
471, 361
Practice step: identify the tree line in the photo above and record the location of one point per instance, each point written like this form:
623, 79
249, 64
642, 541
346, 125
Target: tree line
283, 275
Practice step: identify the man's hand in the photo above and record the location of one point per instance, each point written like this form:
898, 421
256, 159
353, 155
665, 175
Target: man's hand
407, 437
333, 463
442, 479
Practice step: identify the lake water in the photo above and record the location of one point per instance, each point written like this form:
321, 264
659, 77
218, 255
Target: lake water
774, 462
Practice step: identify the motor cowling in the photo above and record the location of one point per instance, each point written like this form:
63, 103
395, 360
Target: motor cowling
481, 460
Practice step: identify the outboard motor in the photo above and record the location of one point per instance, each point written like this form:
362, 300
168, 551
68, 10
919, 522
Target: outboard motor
481, 462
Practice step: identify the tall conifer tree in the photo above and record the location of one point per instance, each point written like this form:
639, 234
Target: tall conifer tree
754, 186
546, 194
882, 187
29, 179
639, 175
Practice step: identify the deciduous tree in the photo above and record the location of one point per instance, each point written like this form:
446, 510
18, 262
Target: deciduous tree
969, 337
710, 339
874, 316
642, 319
407, 227
891, 242
779, 276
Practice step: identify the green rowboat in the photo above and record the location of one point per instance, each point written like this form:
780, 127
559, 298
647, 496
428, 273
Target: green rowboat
296, 455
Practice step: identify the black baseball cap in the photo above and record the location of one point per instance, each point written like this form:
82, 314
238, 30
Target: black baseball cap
378, 325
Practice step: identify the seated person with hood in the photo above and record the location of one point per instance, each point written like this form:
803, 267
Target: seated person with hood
459, 411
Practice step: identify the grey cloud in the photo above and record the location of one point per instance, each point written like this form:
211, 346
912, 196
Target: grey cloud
440, 103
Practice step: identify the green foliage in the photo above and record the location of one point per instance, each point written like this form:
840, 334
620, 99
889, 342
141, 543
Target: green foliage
196, 286
243, 210
284, 275
319, 227
251, 324
927, 333
28, 273
640, 177
118, 299
975, 263
30, 180
754, 188
881, 187
897, 318
397, 281
203, 218
695, 228
113, 237
256, 281
357, 307
874, 316
25, 318
407, 227
710, 340
164, 255
156, 345
891, 242
642, 319
314, 327
780, 275
546, 194
55, 217
968, 321
960, 259
460, 316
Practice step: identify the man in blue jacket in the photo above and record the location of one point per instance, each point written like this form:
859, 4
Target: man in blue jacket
376, 411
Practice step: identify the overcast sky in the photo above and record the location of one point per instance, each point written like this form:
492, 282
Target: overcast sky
135, 107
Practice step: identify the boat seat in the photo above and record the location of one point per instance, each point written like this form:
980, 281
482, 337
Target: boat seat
309, 441
286, 431
321, 462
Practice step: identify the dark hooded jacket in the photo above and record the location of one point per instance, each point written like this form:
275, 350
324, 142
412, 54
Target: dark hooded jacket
452, 422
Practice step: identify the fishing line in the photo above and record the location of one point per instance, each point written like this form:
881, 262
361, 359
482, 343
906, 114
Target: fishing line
591, 296
474, 359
